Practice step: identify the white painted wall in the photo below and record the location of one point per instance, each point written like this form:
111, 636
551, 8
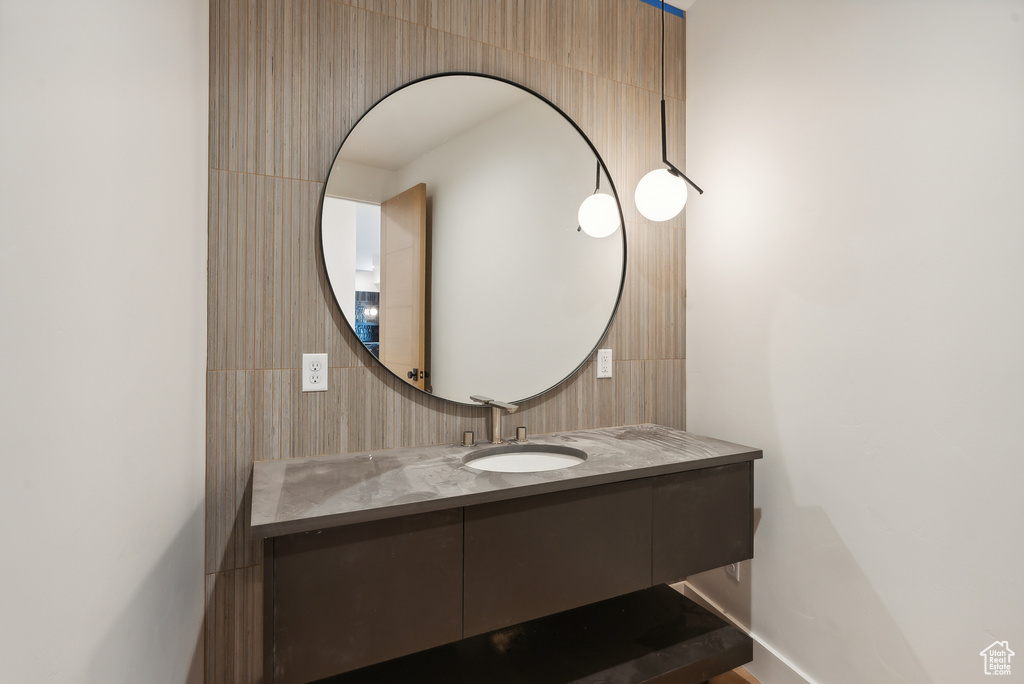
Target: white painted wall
359, 182
103, 196
339, 244
856, 308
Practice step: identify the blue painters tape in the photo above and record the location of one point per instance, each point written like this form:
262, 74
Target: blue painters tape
669, 9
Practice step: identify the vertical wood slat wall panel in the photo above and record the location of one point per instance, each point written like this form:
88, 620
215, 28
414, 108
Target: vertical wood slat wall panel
234, 626
288, 78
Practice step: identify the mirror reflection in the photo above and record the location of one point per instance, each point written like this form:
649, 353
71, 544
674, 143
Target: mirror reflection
450, 237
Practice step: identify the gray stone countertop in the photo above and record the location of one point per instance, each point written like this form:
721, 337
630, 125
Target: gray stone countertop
305, 494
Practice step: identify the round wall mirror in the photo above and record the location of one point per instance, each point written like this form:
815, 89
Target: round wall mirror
451, 241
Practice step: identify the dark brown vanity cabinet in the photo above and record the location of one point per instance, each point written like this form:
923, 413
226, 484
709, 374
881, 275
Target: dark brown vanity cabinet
349, 596
702, 519
526, 558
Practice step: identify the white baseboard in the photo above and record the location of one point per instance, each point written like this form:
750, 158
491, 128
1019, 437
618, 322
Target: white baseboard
769, 666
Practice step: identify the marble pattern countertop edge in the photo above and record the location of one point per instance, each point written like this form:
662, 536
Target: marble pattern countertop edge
307, 494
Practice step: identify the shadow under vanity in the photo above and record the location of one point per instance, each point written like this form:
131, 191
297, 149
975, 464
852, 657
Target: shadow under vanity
374, 556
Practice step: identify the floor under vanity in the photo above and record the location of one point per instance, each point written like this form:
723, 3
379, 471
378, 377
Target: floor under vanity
737, 676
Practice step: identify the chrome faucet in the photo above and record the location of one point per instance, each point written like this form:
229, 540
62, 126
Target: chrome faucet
496, 407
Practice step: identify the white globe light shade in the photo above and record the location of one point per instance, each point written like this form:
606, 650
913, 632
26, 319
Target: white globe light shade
660, 195
599, 215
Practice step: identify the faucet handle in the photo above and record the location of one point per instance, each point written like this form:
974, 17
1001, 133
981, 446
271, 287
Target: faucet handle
494, 403
511, 408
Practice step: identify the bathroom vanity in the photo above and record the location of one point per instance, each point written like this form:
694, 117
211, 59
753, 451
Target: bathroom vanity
373, 556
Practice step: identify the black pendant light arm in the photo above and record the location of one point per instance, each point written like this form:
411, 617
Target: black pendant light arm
664, 144
664, 155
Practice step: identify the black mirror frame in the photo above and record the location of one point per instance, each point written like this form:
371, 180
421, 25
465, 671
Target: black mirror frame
622, 226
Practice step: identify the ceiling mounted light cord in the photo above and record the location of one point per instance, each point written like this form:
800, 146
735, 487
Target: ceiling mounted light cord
661, 194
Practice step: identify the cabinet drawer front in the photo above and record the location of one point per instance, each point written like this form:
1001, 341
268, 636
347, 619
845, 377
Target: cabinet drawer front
360, 594
543, 554
703, 519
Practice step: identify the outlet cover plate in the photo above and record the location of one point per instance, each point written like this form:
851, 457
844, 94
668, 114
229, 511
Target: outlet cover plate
314, 372
604, 363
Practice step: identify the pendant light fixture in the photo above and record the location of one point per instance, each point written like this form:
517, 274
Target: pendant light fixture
661, 194
599, 213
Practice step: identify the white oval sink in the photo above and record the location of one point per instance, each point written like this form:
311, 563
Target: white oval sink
525, 458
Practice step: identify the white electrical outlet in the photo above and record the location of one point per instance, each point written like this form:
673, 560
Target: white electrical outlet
604, 363
733, 571
314, 372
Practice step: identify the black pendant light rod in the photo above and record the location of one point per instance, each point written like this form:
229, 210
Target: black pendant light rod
664, 143
597, 179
